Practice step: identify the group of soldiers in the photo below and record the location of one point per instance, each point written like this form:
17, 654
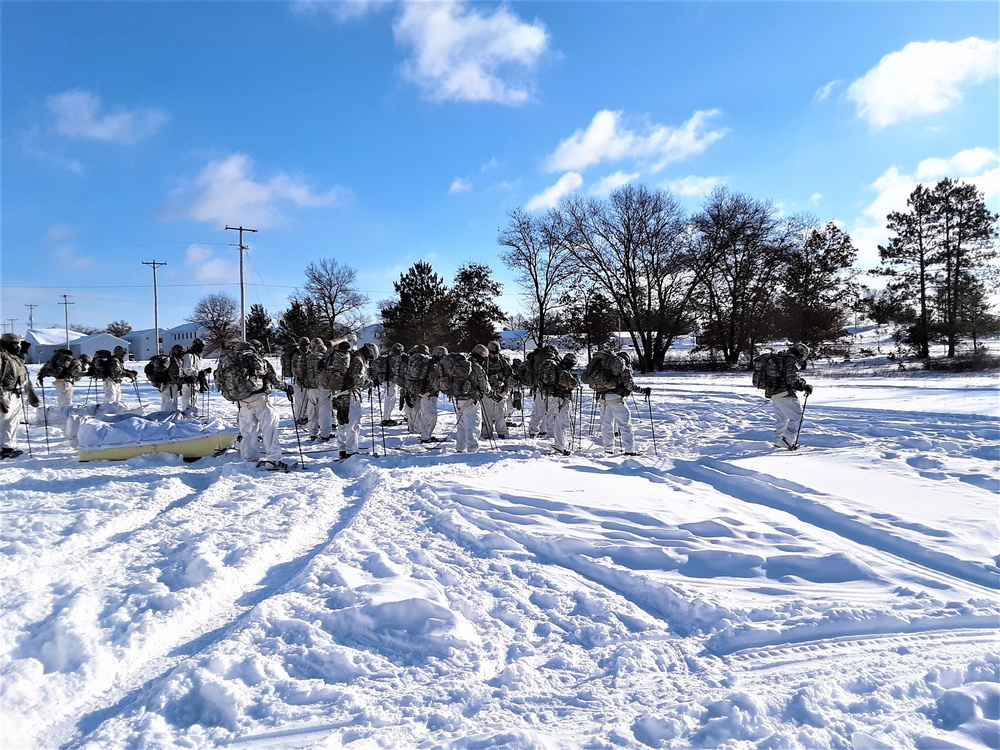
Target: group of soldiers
180, 377
330, 379
484, 386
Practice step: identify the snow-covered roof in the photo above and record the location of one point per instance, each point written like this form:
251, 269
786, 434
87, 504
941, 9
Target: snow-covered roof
51, 336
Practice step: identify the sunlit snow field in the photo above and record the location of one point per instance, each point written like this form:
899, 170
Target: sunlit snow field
710, 593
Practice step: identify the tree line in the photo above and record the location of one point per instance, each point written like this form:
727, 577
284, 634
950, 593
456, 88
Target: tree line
738, 272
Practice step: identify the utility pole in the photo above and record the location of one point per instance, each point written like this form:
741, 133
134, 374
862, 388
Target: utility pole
31, 316
243, 297
156, 305
66, 303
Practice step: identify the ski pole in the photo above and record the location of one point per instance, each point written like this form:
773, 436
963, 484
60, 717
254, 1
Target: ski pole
801, 419
652, 428
295, 425
45, 418
381, 415
371, 417
482, 414
136, 386
24, 415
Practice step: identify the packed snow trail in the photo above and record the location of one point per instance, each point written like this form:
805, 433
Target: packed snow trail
715, 594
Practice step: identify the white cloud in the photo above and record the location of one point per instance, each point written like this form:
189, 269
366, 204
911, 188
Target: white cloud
549, 197
607, 185
226, 192
461, 53
968, 162
202, 266
79, 115
923, 78
607, 138
459, 186
693, 186
815, 198
341, 10
823, 93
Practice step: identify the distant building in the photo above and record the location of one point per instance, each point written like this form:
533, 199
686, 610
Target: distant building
45, 341
143, 342
90, 344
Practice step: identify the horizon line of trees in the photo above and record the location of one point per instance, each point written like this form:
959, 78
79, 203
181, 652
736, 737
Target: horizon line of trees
738, 272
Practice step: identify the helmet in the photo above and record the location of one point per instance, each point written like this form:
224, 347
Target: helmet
304, 341
121, 350
569, 358
85, 358
493, 347
550, 350
198, 344
176, 349
317, 345
241, 346
420, 349
397, 348
439, 351
481, 351
11, 342
256, 345
370, 351
799, 351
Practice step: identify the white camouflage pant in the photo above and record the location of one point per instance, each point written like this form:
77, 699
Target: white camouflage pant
112, 391
319, 412
11, 419
494, 416
390, 399
168, 397
787, 417
349, 434
616, 414
560, 417
64, 392
258, 416
468, 427
428, 416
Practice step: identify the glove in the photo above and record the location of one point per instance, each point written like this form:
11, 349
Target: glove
808, 389
289, 390
39, 380
33, 399
646, 391
207, 371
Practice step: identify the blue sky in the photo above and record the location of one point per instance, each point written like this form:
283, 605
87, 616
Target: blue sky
380, 134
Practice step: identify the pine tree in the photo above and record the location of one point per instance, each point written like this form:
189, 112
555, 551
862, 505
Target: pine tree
259, 327
475, 313
421, 314
909, 257
964, 248
818, 288
300, 320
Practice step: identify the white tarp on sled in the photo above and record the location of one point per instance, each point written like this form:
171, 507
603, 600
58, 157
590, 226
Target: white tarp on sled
123, 436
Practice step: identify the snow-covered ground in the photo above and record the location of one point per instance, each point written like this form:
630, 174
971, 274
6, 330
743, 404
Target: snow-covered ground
711, 593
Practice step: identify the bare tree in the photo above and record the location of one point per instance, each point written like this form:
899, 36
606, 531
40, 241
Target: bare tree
118, 328
635, 247
219, 315
537, 253
745, 246
332, 287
